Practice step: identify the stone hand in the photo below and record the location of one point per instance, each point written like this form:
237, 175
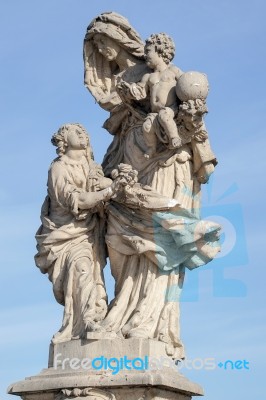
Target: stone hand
123, 87
93, 184
205, 172
117, 187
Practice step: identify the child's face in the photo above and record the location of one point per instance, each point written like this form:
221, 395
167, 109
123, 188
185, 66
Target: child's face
152, 58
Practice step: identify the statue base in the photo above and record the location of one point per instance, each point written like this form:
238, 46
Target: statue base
108, 370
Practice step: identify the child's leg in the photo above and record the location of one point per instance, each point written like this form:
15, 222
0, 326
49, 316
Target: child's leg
166, 119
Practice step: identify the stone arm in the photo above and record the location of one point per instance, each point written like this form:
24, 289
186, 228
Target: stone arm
110, 101
96, 180
204, 160
87, 200
177, 71
69, 196
134, 91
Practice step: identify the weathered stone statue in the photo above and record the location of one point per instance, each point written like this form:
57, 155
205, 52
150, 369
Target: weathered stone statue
141, 209
146, 101
159, 87
71, 246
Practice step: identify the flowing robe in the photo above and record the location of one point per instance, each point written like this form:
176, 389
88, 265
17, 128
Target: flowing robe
147, 296
71, 249
146, 302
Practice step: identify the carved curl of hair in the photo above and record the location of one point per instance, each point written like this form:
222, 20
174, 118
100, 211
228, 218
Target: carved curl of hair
164, 46
59, 139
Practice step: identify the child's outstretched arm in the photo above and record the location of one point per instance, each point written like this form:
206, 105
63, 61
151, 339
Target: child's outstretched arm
136, 91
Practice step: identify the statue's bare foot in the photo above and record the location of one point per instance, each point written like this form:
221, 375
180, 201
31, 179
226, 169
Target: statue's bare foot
97, 331
92, 326
60, 337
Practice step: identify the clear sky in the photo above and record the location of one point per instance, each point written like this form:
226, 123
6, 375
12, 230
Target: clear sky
41, 81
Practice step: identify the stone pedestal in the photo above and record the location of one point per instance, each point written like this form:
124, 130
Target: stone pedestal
79, 370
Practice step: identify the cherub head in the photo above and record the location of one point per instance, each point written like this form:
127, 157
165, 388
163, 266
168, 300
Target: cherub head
159, 45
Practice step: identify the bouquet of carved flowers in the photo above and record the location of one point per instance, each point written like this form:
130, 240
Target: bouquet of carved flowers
126, 180
125, 175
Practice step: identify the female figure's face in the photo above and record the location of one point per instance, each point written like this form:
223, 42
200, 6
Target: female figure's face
106, 46
76, 139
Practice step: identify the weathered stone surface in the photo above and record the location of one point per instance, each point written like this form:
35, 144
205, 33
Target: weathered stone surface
141, 209
50, 383
165, 142
132, 348
107, 394
62, 375
70, 241
51, 380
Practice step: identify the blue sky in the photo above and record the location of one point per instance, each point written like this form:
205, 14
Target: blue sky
223, 309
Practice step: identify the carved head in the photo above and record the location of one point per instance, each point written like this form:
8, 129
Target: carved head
116, 28
71, 135
111, 45
106, 46
162, 44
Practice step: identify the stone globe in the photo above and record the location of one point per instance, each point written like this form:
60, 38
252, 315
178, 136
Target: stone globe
192, 85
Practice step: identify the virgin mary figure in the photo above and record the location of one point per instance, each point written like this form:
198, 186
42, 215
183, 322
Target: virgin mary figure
148, 250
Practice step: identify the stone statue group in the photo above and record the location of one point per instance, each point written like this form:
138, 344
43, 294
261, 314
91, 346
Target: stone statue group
141, 208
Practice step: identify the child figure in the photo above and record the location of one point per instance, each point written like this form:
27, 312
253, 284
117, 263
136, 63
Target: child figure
160, 87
